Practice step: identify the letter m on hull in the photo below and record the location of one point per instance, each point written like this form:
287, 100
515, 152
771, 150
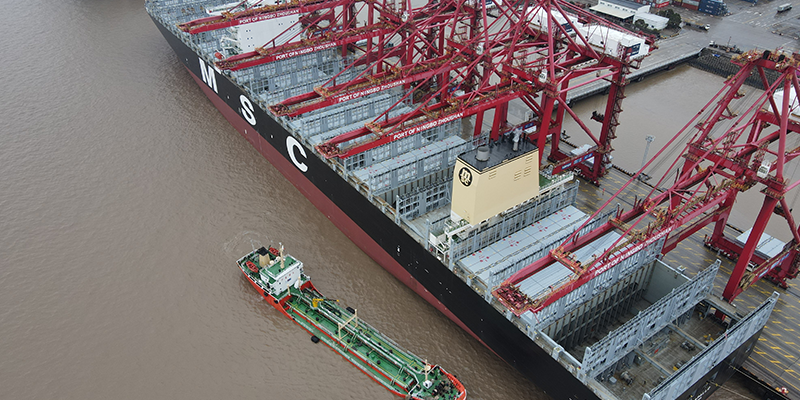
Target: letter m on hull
209, 76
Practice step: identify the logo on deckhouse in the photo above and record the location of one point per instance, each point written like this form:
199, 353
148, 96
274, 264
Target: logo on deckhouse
465, 177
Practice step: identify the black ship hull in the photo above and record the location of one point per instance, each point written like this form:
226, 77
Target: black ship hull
387, 243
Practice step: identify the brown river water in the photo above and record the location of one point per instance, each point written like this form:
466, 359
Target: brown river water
125, 200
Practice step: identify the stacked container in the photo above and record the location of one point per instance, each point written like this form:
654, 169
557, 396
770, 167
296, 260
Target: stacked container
691, 4
713, 7
660, 3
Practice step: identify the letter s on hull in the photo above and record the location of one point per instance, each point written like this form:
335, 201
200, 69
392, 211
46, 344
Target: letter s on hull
247, 110
291, 145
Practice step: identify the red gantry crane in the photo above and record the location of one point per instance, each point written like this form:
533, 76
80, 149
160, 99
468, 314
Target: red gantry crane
454, 60
728, 154
244, 13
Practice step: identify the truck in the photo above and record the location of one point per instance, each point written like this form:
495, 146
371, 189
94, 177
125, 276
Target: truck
694, 24
726, 47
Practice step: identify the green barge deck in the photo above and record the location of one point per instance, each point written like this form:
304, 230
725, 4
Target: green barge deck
282, 281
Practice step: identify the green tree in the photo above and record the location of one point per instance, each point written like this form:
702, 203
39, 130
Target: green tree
674, 18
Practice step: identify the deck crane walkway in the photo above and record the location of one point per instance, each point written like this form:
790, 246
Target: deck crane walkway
242, 13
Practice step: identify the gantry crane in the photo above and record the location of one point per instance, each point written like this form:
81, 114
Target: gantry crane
453, 60
727, 154
244, 13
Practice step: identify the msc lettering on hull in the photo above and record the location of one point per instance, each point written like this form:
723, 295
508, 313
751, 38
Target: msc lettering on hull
209, 75
291, 145
247, 110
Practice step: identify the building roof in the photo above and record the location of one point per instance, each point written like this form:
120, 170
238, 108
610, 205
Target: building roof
626, 3
604, 9
651, 17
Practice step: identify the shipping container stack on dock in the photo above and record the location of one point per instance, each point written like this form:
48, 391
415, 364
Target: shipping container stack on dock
713, 7
693, 5
660, 3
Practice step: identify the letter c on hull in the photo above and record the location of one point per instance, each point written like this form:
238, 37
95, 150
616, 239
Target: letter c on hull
291, 145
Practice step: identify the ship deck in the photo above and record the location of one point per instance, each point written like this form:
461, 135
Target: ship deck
372, 351
661, 355
362, 345
774, 360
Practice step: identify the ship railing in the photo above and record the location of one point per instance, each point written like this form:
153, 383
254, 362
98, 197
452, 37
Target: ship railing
385, 207
391, 357
556, 181
436, 228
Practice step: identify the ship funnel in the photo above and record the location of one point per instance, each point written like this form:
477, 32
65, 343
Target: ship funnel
482, 154
476, 183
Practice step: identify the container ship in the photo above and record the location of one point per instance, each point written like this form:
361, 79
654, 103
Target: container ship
281, 279
430, 134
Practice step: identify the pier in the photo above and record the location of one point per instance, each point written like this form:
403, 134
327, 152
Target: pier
659, 60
